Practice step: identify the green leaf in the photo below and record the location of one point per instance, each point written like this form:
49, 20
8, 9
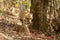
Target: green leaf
26, 4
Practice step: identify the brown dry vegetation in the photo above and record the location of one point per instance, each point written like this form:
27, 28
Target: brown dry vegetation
15, 24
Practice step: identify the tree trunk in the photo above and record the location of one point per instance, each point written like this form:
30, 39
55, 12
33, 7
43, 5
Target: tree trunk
39, 10
44, 12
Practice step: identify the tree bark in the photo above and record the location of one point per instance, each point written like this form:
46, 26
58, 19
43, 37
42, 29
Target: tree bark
39, 10
44, 12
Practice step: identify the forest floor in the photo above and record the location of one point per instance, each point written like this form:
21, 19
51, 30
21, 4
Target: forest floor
13, 35
6, 33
